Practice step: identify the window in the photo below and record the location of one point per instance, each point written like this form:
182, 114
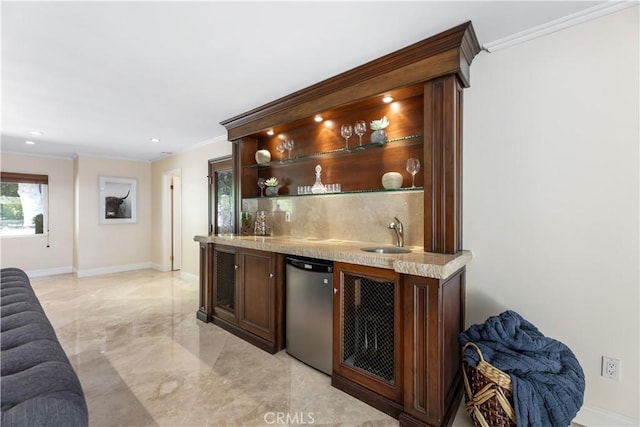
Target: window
24, 204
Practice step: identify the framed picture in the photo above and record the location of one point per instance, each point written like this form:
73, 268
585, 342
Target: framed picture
118, 200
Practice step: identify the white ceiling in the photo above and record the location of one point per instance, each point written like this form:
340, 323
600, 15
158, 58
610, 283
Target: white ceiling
103, 78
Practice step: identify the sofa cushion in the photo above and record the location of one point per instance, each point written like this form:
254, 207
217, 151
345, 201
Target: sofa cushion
39, 385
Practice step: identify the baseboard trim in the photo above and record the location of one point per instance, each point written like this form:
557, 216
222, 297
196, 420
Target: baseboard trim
159, 267
113, 269
49, 271
592, 416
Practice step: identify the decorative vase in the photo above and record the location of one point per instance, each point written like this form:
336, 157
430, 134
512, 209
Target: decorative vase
392, 180
261, 226
271, 191
263, 156
378, 136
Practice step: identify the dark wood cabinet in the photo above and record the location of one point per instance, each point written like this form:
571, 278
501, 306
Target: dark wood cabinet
257, 274
395, 336
396, 342
244, 293
367, 355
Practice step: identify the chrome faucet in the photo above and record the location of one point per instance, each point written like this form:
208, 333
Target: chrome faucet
399, 229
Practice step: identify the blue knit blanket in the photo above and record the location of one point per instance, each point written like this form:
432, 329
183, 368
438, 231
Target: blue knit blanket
548, 382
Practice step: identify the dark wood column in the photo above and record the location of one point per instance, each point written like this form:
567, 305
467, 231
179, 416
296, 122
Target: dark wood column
205, 309
443, 165
433, 318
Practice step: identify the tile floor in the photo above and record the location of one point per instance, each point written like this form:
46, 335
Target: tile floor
144, 360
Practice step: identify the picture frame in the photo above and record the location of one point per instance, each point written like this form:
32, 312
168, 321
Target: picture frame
118, 200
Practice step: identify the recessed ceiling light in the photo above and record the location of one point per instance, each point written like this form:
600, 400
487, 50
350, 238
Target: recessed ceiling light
155, 140
35, 132
317, 118
387, 99
270, 132
29, 142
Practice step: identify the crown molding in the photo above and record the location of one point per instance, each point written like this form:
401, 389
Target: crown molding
559, 24
42, 155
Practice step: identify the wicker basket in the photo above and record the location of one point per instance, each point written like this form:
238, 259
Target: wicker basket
488, 395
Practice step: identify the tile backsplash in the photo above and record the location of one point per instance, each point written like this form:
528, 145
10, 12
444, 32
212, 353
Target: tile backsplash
349, 216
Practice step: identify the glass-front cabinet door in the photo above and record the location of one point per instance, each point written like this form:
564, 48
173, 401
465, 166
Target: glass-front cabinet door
221, 204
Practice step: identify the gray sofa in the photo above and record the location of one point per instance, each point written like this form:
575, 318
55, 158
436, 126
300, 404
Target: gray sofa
38, 386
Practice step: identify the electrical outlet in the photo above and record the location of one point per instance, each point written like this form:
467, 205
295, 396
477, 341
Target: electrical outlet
610, 368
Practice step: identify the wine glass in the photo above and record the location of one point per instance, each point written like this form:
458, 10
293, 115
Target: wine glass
360, 128
288, 144
280, 149
261, 184
346, 131
413, 166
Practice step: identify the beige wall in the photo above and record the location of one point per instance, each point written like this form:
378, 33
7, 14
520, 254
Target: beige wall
551, 194
79, 243
193, 166
105, 248
31, 252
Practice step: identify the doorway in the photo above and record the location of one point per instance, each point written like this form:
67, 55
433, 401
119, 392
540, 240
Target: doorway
172, 220
176, 223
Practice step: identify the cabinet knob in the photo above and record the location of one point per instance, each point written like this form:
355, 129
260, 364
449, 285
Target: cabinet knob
271, 275
235, 267
335, 290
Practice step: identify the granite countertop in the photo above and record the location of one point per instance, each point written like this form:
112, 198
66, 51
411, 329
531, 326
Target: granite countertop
417, 263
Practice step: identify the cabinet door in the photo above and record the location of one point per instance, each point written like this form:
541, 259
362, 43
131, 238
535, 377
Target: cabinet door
225, 283
367, 328
221, 196
257, 293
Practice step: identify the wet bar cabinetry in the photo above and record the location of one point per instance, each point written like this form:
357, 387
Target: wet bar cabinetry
410, 321
396, 341
243, 293
395, 325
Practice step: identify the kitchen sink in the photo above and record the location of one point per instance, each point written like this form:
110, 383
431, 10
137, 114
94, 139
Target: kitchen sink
388, 250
